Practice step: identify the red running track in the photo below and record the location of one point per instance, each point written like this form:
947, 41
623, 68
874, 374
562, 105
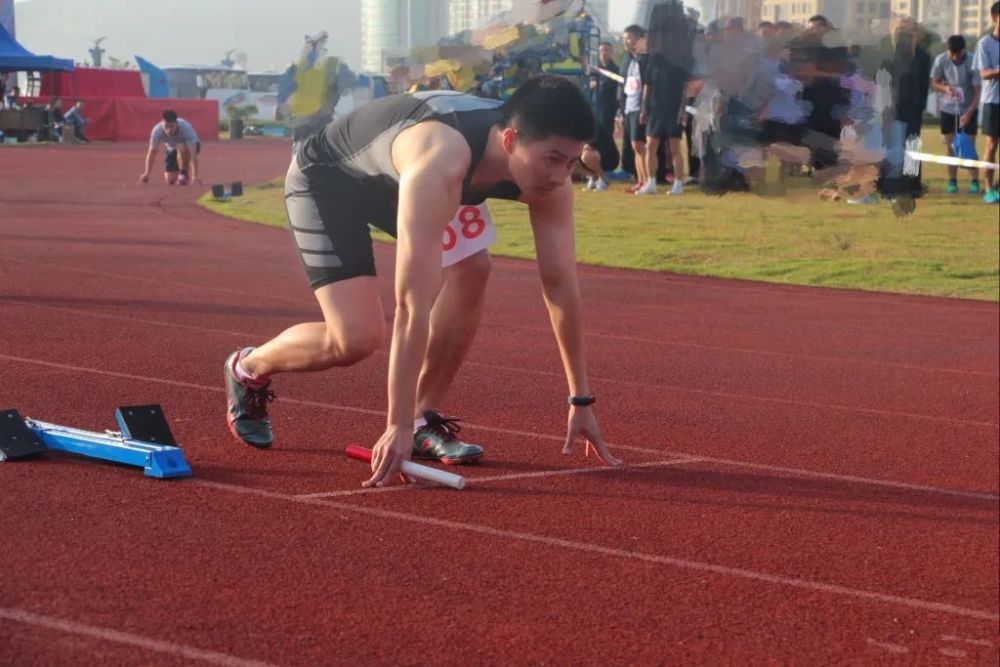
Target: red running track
813, 473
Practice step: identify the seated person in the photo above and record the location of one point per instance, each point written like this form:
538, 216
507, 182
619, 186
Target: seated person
181, 154
54, 121
75, 118
599, 156
14, 99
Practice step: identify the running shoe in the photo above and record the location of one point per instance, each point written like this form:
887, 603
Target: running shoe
438, 439
247, 416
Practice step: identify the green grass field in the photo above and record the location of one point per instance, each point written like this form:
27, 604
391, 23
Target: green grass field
950, 246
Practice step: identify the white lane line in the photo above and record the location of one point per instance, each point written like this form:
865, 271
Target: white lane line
974, 642
800, 472
119, 637
976, 495
776, 400
561, 472
953, 652
593, 334
887, 646
734, 572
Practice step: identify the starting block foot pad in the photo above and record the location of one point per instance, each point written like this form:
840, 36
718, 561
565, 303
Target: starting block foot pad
17, 441
146, 423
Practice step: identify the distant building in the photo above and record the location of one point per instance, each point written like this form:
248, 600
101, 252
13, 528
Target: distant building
945, 17
391, 28
750, 10
472, 14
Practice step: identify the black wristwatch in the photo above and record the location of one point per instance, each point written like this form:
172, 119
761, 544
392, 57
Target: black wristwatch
582, 401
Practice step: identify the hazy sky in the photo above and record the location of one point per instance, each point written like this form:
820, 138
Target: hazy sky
171, 32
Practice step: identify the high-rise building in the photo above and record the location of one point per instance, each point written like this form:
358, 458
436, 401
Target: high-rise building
391, 28
473, 14
800, 11
948, 17
945, 17
598, 10
749, 10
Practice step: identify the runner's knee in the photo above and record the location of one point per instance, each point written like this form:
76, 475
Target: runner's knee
471, 274
351, 346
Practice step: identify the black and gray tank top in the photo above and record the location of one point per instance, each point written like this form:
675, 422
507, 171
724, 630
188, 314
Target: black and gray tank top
359, 145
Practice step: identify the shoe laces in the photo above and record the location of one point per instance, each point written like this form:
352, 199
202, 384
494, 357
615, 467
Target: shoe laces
257, 399
446, 427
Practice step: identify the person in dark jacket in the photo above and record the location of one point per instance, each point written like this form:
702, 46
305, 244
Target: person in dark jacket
910, 68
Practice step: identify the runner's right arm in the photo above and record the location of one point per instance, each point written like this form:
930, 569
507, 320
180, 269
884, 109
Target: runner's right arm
432, 160
154, 143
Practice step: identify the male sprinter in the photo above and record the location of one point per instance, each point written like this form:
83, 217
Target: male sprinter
405, 163
182, 149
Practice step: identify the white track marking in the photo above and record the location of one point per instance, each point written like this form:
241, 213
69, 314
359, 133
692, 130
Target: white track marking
888, 646
586, 547
470, 481
119, 637
542, 436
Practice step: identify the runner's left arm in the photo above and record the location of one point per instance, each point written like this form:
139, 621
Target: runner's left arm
555, 246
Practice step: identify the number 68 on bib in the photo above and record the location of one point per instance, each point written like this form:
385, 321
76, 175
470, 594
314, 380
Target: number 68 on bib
470, 231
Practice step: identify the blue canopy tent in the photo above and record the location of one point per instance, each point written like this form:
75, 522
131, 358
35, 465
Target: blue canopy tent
16, 58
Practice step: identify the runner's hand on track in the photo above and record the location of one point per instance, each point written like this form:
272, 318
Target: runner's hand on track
583, 426
394, 447
144, 178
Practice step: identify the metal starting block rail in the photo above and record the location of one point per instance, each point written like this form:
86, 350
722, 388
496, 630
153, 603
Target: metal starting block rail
144, 441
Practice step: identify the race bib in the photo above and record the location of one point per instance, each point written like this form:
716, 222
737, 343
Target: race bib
470, 231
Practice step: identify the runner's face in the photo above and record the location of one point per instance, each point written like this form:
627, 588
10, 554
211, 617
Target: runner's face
170, 128
541, 167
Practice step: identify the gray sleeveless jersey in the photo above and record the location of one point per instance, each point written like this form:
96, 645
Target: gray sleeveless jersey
359, 145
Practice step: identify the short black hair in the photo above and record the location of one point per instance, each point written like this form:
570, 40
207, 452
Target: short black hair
635, 29
548, 105
822, 20
170, 116
765, 24
956, 43
607, 44
995, 10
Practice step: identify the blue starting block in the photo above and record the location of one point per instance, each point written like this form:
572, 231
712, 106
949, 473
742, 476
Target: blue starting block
144, 441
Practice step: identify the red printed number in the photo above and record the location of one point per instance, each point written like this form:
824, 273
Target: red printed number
472, 223
450, 238
472, 226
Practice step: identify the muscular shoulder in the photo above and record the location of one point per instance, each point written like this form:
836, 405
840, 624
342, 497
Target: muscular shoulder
432, 145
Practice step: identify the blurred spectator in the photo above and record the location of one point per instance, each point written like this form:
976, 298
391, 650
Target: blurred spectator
987, 61
605, 88
14, 99
671, 42
959, 86
910, 69
818, 61
75, 118
634, 70
599, 156
54, 121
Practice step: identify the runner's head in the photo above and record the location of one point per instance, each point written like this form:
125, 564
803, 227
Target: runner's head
170, 122
956, 47
545, 125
